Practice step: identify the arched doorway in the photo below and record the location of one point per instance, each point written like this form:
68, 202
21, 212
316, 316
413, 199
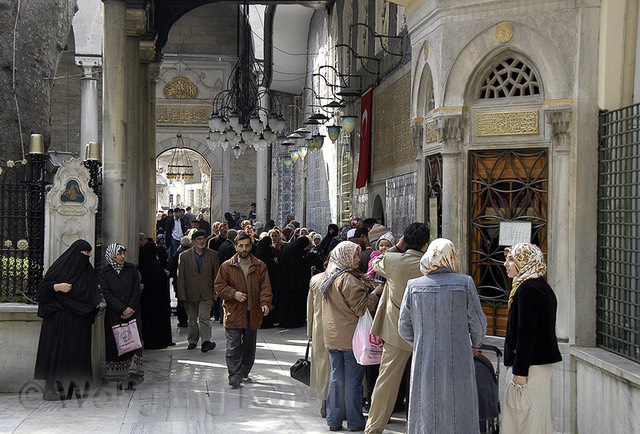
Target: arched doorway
378, 210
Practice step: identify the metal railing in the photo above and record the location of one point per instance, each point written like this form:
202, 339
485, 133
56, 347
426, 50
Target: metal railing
618, 274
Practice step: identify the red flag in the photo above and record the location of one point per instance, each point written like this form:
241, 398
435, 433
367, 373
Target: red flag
364, 164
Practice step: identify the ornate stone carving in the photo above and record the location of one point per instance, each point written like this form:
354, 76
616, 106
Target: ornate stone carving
147, 51
450, 133
560, 122
504, 32
136, 21
507, 123
196, 115
431, 132
180, 87
425, 50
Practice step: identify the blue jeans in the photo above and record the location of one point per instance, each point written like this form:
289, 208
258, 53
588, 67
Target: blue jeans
344, 400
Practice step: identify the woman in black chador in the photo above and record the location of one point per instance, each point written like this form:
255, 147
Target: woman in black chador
295, 274
155, 301
266, 254
68, 301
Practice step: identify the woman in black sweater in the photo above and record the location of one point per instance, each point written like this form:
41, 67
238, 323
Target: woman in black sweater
530, 345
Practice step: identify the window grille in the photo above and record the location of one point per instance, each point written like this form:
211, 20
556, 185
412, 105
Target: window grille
345, 167
618, 285
511, 77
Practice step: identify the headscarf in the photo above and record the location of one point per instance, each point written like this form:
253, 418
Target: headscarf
529, 260
323, 248
75, 268
110, 255
386, 236
441, 253
340, 261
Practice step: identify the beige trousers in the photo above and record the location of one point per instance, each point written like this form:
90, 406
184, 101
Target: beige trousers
527, 409
385, 391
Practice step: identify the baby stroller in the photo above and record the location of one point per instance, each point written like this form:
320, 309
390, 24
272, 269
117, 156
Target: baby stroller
488, 393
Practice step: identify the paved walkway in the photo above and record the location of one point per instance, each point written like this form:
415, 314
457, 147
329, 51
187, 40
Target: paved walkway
187, 392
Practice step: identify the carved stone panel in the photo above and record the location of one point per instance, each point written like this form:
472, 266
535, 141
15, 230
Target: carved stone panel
507, 123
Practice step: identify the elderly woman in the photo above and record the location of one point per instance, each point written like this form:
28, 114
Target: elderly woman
441, 317
530, 346
120, 287
321, 367
345, 298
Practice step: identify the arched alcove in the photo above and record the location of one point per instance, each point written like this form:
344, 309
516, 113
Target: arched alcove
378, 209
424, 98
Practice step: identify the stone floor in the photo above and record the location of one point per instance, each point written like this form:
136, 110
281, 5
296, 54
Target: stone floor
186, 392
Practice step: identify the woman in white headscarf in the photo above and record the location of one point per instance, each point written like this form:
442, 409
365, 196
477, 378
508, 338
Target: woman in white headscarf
120, 286
441, 317
530, 346
345, 298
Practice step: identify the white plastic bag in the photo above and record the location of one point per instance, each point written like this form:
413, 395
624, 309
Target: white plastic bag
367, 348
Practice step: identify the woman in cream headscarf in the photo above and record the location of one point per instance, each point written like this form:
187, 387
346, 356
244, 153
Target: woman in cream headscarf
345, 298
441, 318
530, 345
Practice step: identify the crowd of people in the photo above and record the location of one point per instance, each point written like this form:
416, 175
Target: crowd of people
250, 275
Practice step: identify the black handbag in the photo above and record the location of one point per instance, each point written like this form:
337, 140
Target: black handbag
301, 370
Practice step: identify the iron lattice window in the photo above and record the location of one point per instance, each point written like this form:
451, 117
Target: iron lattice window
511, 77
618, 286
506, 186
434, 192
345, 169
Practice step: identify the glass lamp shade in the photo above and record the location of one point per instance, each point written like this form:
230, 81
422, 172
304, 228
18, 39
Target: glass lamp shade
262, 142
302, 151
287, 160
237, 151
267, 133
334, 132
243, 146
294, 155
310, 144
225, 144
272, 121
254, 122
215, 122
215, 136
281, 124
231, 134
318, 141
234, 120
247, 134
210, 142
348, 123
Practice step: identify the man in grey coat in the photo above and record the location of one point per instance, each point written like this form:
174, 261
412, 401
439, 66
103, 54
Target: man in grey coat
398, 264
197, 269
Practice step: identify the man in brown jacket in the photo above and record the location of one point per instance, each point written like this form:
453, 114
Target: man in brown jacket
399, 264
244, 287
197, 268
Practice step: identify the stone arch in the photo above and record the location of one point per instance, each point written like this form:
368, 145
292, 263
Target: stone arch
378, 209
194, 145
424, 96
541, 51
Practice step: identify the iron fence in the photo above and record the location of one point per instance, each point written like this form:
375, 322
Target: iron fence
22, 198
618, 291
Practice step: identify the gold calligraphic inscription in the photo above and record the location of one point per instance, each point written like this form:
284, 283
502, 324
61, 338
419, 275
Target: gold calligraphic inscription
431, 132
425, 50
196, 115
507, 123
504, 31
180, 87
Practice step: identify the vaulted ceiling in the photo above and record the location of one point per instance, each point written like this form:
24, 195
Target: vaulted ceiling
285, 24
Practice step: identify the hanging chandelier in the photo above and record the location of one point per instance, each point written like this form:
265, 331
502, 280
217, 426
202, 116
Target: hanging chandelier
180, 166
238, 119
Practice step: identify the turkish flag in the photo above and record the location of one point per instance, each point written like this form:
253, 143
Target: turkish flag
364, 164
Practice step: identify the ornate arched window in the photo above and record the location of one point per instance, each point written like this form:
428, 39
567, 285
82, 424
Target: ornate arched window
510, 77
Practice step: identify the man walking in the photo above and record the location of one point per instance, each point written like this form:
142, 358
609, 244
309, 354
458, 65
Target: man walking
197, 269
175, 230
243, 285
398, 264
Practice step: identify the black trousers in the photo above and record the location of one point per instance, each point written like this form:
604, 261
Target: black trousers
241, 350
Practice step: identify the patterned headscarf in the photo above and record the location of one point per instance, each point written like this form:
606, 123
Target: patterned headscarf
441, 253
110, 255
529, 260
386, 236
340, 261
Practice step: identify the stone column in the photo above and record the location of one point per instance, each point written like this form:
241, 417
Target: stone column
154, 73
114, 138
88, 100
135, 144
450, 131
262, 173
226, 170
146, 174
559, 213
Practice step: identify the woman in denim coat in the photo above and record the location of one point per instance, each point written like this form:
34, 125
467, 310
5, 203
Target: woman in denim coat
441, 318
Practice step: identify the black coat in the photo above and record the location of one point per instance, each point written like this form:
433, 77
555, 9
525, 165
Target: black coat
531, 328
120, 291
169, 229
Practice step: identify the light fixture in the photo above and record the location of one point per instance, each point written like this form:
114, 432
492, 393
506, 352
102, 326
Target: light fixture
348, 123
318, 141
180, 166
334, 132
287, 160
294, 155
237, 110
303, 150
